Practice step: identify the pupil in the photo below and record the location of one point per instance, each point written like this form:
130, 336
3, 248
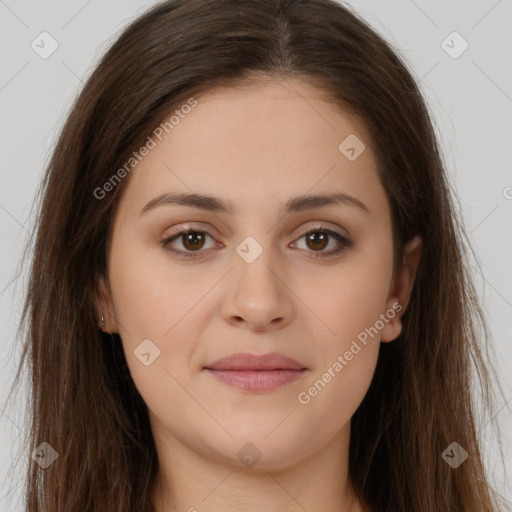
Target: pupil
191, 239
315, 237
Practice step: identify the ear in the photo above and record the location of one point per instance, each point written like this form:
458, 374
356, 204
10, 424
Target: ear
104, 307
401, 288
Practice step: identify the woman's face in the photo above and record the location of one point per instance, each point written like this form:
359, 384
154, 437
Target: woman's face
249, 280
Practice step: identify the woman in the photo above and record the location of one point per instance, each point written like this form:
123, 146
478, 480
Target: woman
248, 289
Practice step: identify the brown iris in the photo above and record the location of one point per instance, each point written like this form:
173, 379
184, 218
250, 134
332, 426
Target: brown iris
315, 238
193, 240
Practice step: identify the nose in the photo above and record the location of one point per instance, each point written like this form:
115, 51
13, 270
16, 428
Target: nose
258, 296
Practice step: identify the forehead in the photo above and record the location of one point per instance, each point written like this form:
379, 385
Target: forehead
262, 141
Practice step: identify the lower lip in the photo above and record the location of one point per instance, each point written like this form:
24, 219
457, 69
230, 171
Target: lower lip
263, 380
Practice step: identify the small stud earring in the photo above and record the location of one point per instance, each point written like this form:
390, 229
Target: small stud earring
102, 321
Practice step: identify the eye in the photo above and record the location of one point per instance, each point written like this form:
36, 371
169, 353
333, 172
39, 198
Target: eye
191, 240
317, 239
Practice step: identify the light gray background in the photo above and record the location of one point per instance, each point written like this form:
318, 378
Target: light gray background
470, 98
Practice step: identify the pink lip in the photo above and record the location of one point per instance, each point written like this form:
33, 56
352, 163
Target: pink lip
256, 372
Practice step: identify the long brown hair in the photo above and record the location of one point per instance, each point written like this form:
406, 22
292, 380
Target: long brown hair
83, 400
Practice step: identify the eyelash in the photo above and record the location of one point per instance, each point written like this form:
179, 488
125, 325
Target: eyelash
344, 242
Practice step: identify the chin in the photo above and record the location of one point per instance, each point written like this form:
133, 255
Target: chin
253, 449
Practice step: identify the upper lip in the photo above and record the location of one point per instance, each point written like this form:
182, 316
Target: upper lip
252, 362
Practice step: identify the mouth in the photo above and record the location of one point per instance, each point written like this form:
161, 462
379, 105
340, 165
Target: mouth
251, 372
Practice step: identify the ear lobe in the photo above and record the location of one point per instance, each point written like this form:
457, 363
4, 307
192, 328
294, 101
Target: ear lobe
104, 307
401, 289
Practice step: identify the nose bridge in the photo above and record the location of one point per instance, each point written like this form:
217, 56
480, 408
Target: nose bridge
258, 295
253, 262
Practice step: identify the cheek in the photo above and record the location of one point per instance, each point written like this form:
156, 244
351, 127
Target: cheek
332, 395
152, 296
348, 359
350, 297
156, 301
350, 302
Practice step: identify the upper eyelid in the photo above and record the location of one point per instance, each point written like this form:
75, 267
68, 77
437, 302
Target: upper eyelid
320, 225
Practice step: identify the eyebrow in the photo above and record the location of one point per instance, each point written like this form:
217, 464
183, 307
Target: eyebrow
217, 205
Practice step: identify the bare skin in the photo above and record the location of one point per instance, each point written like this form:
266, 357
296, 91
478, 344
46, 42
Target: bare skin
256, 147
